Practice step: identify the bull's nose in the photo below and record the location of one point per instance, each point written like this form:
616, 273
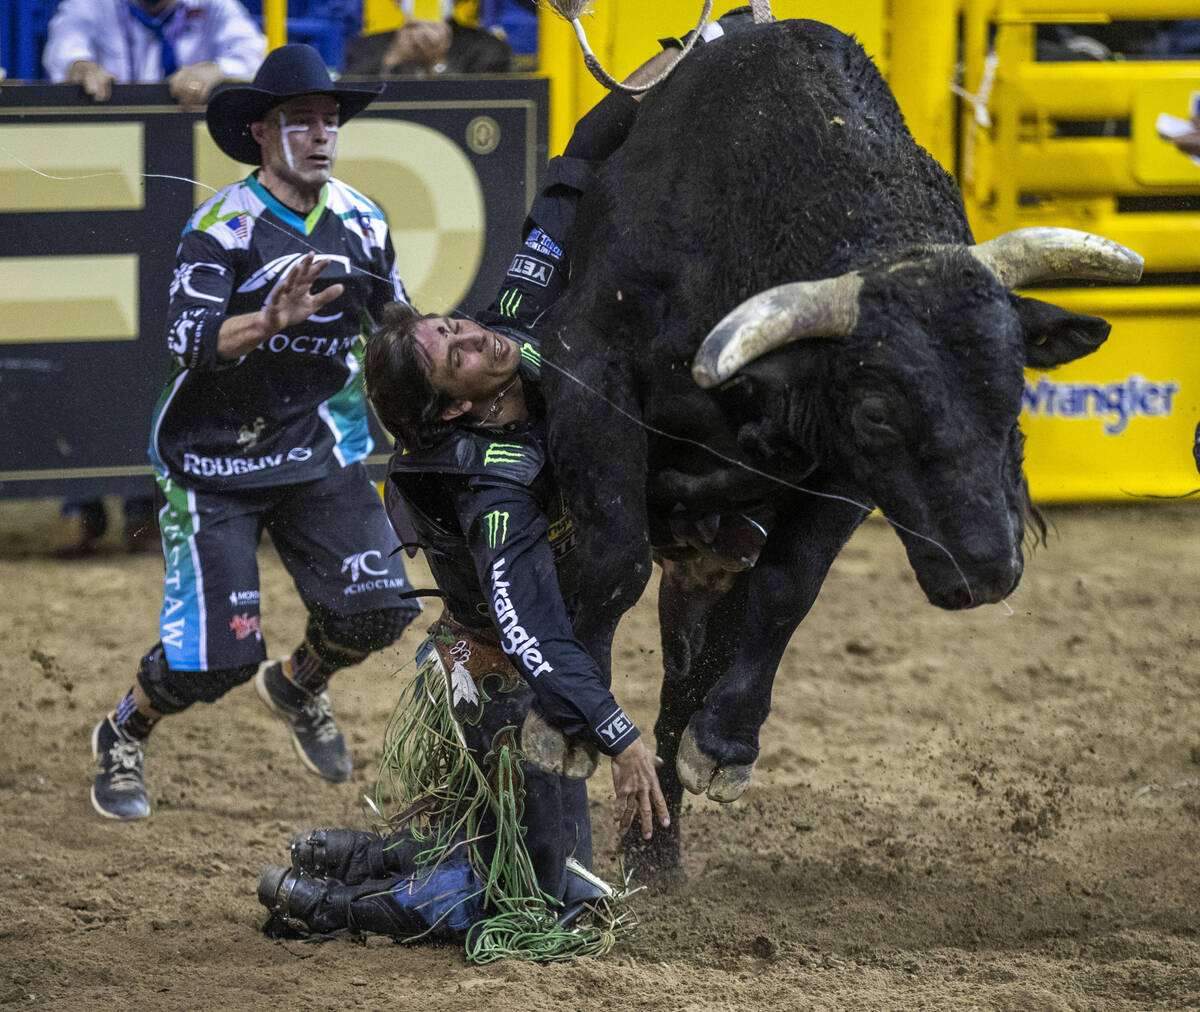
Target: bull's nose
969, 587
957, 598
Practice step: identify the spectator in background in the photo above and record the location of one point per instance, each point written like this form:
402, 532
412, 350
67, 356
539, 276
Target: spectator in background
427, 48
517, 22
193, 45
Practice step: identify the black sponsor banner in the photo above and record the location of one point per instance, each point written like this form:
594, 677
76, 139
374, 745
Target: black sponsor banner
92, 202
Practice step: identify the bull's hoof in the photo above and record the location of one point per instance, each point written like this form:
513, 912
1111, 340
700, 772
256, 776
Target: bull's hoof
552, 751
702, 775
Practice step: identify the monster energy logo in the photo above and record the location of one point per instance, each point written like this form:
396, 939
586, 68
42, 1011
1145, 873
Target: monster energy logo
503, 453
497, 528
531, 355
510, 301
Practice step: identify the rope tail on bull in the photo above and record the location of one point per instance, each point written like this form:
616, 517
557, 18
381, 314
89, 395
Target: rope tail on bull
778, 317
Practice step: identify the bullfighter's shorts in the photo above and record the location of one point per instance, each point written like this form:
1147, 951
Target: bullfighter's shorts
332, 535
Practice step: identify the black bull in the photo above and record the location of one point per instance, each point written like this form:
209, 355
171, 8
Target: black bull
769, 158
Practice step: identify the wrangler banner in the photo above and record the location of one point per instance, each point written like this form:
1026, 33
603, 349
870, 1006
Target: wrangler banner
93, 198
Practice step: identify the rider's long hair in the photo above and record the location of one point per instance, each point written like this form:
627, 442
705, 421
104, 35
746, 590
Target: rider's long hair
395, 369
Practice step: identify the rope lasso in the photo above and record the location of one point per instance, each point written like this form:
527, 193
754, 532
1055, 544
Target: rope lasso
762, 11
572, 10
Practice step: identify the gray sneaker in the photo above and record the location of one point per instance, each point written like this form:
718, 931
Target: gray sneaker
118, 791
316, 738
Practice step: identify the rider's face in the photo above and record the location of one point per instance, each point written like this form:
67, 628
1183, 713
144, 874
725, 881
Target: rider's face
469, 363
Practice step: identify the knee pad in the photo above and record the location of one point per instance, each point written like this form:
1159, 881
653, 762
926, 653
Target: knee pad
155, 677
171, 691
342, 640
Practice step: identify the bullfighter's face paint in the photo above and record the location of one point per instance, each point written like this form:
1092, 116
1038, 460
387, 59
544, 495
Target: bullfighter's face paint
301, 145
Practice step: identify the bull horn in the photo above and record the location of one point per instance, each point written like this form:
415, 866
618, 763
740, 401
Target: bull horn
771, 319
1056, 254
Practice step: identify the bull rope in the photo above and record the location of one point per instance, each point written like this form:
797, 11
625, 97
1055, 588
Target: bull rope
572, 10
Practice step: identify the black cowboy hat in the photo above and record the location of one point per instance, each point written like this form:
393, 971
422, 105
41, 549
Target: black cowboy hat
287, 72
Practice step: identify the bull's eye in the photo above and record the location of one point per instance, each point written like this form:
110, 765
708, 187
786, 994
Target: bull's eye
875, 423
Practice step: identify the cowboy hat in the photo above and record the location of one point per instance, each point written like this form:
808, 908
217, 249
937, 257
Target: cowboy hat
287, 72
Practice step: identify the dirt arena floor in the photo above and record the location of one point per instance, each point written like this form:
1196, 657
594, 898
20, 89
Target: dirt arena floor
997, 809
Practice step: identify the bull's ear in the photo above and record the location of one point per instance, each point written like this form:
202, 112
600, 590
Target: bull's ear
1054, 336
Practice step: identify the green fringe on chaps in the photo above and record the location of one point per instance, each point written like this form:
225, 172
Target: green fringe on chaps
430, 778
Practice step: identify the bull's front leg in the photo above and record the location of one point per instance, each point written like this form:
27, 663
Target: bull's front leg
701, 608
718, 750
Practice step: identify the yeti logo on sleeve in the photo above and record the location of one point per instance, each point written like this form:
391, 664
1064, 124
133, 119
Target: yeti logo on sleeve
614, 727
497, 528
531, 268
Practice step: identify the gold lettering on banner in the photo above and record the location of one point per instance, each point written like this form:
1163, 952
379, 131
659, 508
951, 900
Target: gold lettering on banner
428, 188
212, 169
109, 153
68, 298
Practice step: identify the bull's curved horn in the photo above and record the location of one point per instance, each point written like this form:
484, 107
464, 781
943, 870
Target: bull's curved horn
770, 319
1027, 255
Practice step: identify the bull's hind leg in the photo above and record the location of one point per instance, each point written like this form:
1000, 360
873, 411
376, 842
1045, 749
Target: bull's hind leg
718, 750
700, 610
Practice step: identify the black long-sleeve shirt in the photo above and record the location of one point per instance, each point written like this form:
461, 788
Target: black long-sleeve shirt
498, 539
483, 503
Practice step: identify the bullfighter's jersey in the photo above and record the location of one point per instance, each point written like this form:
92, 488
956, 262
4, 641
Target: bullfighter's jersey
292, 409
499, 541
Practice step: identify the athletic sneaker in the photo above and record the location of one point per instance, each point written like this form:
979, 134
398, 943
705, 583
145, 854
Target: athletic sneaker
316, 738
118, 791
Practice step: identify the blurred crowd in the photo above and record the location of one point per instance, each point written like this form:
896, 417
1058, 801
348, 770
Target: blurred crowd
192, 45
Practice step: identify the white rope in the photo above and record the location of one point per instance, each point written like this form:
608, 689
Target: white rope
982, 118
762, 11
572, 11
979, 100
